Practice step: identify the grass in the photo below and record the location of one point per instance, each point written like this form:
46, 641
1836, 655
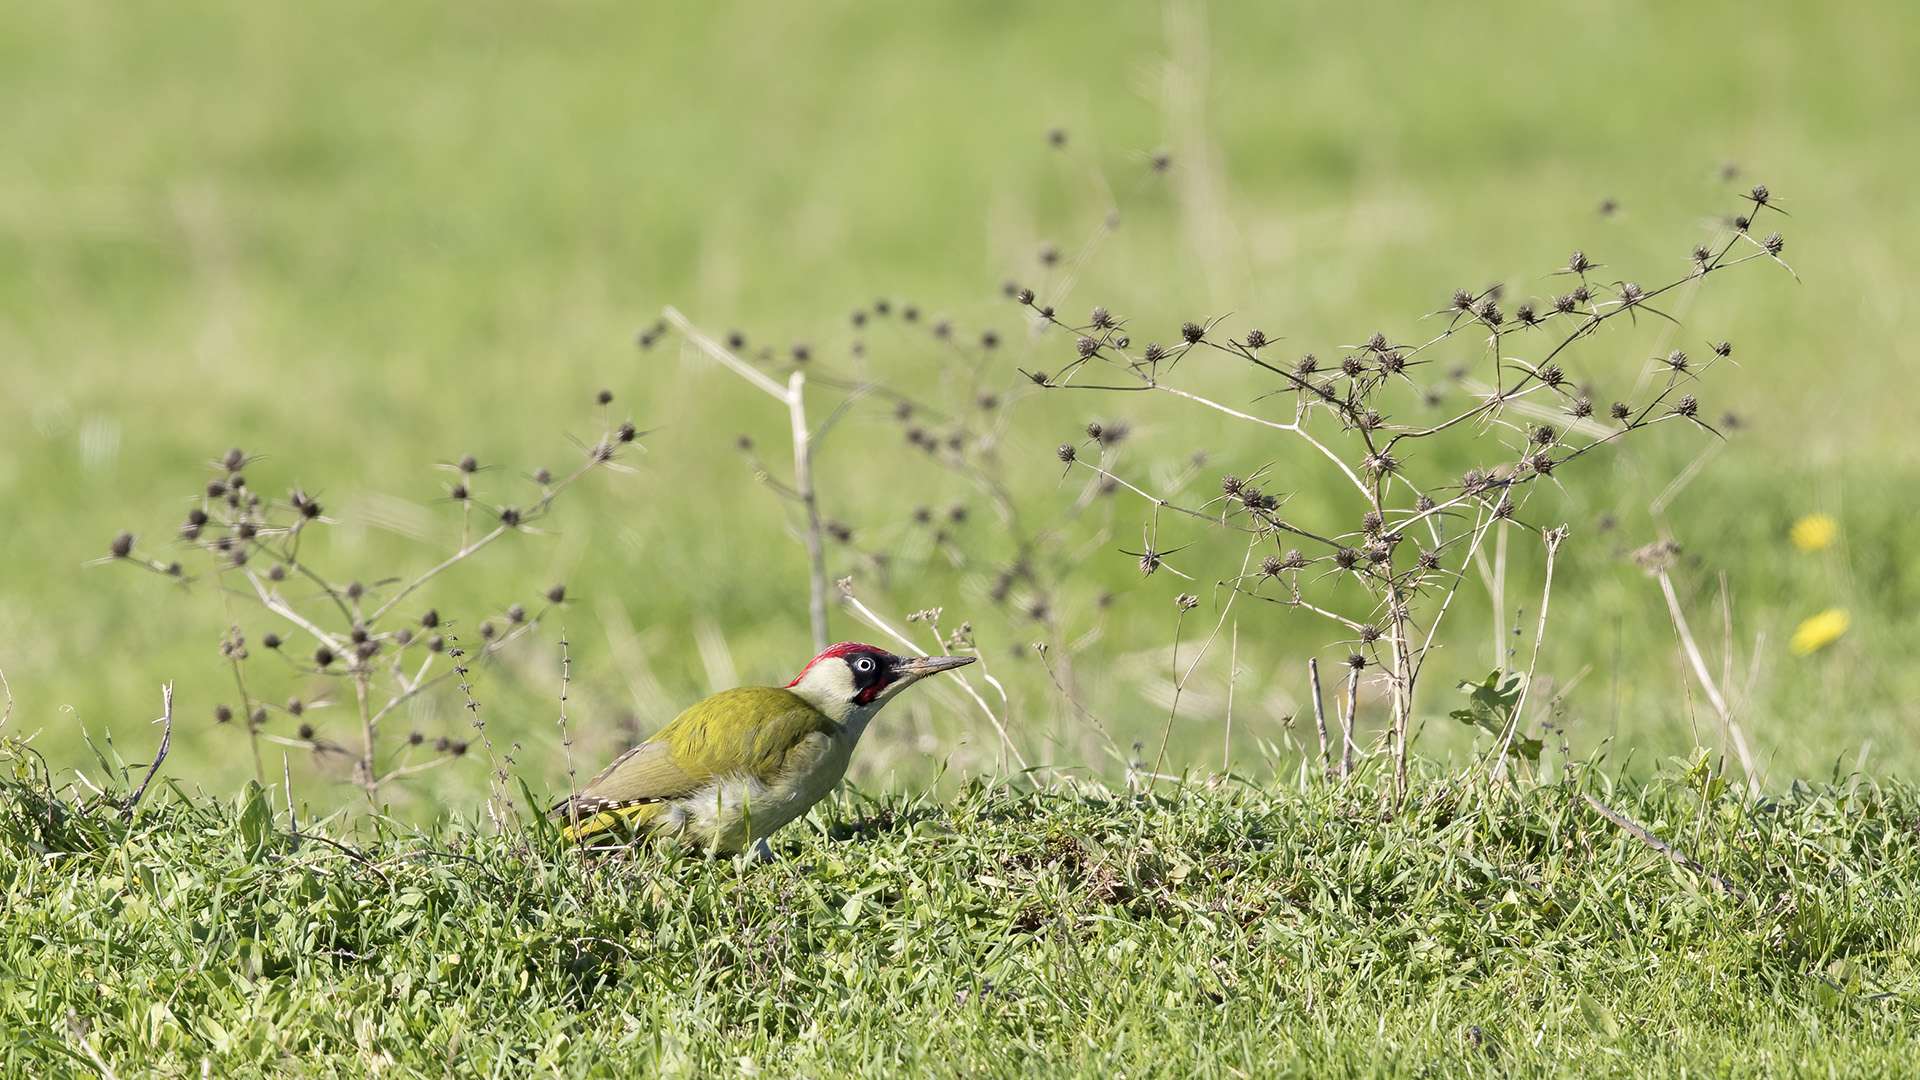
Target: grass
1234, 929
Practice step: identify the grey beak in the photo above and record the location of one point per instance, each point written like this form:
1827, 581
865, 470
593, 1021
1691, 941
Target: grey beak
921, 666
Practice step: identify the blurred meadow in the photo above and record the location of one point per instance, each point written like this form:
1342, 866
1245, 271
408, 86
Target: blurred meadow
363, 240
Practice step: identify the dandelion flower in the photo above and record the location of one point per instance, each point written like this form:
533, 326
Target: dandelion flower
1814, 532
1819, 631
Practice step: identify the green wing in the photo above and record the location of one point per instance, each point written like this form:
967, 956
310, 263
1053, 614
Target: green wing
747, 730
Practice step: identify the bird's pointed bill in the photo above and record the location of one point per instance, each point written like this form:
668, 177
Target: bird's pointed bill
917, 667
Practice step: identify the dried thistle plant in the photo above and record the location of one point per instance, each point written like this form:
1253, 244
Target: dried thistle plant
959, 421
356, 634
1409, 536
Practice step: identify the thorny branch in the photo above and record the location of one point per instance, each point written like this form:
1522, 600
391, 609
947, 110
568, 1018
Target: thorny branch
1399, 578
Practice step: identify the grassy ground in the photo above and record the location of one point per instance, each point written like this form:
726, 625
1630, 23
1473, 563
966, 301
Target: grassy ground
363, 242
1243, 929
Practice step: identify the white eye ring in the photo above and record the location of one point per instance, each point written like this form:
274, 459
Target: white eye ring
865, 663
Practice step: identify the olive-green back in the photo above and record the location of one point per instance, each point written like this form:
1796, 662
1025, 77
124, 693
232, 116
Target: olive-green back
747, 730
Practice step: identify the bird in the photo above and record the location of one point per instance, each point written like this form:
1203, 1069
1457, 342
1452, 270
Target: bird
737, 766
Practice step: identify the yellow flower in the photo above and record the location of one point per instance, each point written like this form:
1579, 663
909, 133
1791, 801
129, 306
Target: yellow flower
1820, 631
1814, 532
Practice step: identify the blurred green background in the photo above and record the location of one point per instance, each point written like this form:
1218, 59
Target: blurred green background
361, 240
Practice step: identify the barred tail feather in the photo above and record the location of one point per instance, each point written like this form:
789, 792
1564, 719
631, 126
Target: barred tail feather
589, 819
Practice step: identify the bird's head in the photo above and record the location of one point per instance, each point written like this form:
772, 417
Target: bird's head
849, 682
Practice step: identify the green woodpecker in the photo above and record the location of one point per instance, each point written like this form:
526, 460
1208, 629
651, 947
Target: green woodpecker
742, 763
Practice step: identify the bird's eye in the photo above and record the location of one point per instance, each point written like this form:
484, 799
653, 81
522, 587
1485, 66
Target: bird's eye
863, 665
